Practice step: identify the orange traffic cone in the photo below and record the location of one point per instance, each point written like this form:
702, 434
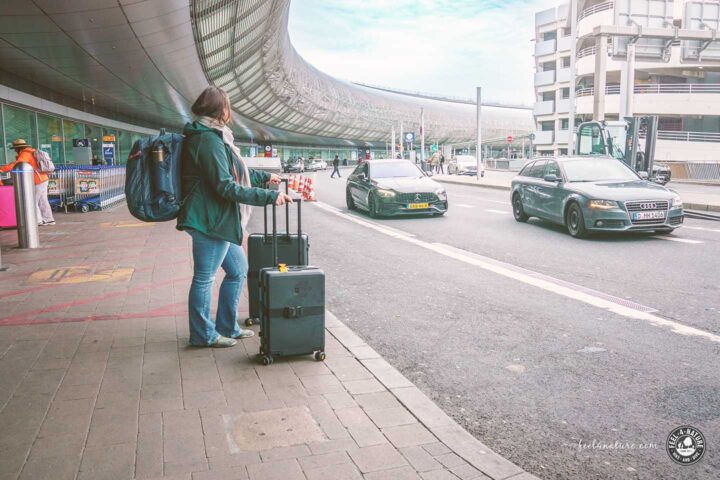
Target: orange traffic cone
309, 192
293, 182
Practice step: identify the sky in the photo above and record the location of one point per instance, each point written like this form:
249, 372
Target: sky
446, 47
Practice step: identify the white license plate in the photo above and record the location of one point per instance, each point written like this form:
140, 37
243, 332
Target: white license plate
654, 215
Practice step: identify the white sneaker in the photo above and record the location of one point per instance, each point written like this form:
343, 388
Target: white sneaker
224, 342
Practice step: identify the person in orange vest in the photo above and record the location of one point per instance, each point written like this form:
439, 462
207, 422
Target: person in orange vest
25, 153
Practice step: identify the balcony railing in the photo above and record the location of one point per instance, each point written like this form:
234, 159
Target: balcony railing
600, 7
713, 137
687, 88
544, 108
587, 51
544, 137
544, 78
546, 47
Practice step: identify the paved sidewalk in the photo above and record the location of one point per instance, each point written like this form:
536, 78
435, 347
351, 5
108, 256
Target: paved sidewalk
695, 196
97, 381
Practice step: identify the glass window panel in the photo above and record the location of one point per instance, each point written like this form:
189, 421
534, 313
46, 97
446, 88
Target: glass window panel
19, 123
50, 132
124, 146
73, 130
94, 133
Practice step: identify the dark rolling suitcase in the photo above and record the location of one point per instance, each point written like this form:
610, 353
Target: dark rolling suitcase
260, 256
292, 307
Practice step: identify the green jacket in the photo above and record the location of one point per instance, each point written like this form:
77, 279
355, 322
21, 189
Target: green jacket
211, 194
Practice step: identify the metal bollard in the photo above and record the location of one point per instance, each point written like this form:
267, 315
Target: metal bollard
25, 206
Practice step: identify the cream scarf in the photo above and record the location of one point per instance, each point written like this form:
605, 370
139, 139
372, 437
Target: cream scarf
227, 135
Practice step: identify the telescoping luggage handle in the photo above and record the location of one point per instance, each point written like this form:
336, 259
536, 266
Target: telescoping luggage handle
274, 231
287, 210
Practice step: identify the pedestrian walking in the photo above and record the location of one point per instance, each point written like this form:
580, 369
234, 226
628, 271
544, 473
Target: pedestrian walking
442, 164
336, 164
220, 190
25, 153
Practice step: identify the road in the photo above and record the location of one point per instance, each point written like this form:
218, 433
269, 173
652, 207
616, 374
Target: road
539, 344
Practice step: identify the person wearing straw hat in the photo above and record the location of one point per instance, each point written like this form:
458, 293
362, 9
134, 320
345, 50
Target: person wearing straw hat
25, 153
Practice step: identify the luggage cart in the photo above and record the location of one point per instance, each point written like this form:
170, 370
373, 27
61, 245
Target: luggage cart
61, 187
99, 187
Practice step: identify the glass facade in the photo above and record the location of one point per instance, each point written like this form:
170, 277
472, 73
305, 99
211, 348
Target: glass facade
285, 152
50, 133
18, 123
55, 135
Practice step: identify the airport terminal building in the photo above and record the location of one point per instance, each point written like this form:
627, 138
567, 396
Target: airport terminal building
79, 75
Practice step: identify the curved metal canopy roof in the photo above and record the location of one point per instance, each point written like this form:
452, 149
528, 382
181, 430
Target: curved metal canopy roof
145, 61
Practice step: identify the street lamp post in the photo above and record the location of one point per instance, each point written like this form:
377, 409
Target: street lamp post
478, 150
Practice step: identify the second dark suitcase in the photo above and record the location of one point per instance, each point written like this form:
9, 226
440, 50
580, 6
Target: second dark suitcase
292, 309
260, 256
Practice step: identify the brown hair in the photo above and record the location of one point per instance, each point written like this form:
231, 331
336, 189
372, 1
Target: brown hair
213, 102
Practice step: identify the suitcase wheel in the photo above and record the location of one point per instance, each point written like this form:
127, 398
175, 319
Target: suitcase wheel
267, 360
250, 322
320, 356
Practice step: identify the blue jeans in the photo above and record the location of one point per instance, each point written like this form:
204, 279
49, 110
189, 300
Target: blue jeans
209, 254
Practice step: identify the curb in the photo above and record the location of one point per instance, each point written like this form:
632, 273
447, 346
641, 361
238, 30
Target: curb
702, 207
424, 409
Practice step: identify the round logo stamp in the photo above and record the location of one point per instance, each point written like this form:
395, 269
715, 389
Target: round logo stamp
686, 445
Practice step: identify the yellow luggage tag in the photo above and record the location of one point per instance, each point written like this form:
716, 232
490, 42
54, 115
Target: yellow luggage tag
282, 268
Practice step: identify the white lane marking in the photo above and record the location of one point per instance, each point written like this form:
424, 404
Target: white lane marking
679, 240
506, 270
499, 212
716, 230
463, 205
393, 232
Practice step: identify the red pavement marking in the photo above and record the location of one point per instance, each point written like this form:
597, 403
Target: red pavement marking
53, 285
170, 310
24, 316
85, 255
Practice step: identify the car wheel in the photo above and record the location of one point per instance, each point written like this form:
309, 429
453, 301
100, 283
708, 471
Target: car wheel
372, 207
349, 201
518, 210
575, 222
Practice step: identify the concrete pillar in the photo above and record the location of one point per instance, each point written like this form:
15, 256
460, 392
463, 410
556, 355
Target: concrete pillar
627, 83
601, 47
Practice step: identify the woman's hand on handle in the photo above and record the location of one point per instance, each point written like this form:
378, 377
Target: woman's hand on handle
275, 179
282, 199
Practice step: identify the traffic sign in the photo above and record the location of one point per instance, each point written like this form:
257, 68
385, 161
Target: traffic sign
433, 148
509, 139
410, 137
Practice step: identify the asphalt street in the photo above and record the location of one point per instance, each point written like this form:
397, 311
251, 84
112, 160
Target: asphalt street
572, 358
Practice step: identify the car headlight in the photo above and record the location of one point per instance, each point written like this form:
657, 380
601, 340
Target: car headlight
386, 193
677, 202
441, 194
603, 204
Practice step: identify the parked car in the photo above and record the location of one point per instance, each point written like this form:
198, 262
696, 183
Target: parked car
593, 193
464, 165
394, 187
296, 165
661, 174
316, 164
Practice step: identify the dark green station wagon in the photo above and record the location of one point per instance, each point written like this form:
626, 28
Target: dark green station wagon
593, 193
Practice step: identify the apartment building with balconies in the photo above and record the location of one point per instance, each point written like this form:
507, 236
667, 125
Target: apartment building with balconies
677, 80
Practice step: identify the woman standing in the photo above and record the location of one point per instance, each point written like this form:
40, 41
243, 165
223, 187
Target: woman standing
218, 189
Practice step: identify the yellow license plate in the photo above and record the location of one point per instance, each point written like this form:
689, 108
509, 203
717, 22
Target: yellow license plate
418, 206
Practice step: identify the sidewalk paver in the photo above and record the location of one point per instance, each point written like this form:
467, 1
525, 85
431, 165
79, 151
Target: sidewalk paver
98, 380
